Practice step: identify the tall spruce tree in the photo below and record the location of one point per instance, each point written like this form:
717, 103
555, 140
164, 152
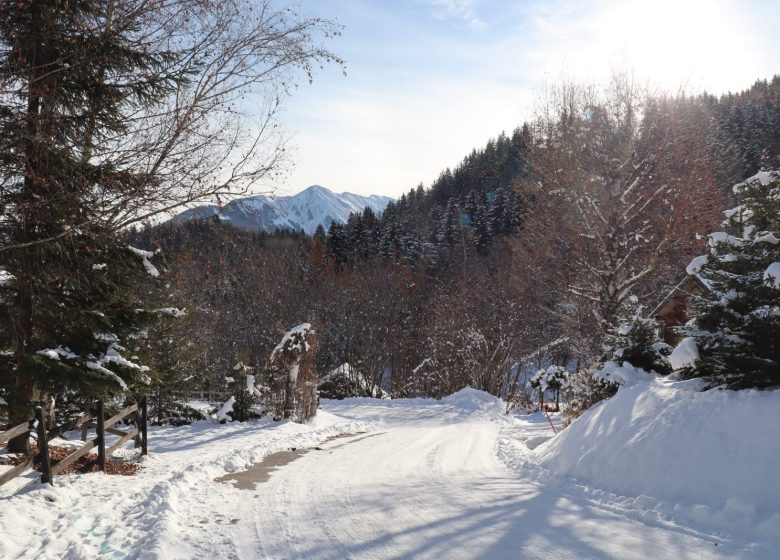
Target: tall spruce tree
73, 72
737, 322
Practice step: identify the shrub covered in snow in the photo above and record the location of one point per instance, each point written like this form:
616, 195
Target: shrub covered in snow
346, 381
294, 393
633, 349
225, 412
249, 403
168, 412
584, 389
551, 378
734, 338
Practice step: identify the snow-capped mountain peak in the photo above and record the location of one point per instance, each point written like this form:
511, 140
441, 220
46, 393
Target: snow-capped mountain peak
303, 211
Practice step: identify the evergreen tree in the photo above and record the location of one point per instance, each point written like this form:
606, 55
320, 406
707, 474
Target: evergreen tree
584, 388
637, 340
736, 328
481, 229
319, 234
338, 244
447, 231
355, 234
76, 69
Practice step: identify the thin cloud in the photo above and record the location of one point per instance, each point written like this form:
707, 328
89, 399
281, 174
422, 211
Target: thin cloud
419, 102
464, 10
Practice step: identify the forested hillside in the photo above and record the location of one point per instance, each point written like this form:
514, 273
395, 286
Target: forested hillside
511, 250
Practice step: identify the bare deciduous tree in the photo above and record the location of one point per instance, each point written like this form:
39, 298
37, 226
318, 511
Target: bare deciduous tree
608, 205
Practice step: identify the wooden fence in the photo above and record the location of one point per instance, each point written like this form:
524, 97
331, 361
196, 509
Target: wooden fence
44, 436
7, 436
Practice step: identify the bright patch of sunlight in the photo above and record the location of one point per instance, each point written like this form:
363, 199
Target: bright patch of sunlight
677, 43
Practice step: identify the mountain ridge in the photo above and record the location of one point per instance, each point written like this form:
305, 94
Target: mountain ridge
305, 210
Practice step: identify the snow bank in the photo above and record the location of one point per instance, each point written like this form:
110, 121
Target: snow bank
473, 400
622, 374
148, 516
465, 405
707, 457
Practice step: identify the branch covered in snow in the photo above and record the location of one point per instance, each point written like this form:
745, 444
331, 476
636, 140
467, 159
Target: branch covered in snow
57, 353
145, 256
223, 414
772, 276
171, 311
685, 354
294, 340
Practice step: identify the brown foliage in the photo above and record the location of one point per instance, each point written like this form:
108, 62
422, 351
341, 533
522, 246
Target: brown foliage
622, 183
83, 465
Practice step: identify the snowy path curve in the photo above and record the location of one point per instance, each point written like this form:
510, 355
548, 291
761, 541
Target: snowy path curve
425, 482
429, 485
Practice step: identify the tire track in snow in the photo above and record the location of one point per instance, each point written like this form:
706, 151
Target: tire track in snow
436, 489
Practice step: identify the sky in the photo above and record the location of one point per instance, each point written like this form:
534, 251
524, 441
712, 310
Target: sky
427, 81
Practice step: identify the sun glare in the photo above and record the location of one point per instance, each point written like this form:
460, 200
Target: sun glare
677, 43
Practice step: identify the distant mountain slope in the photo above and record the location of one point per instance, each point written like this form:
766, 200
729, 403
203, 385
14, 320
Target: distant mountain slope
303, 211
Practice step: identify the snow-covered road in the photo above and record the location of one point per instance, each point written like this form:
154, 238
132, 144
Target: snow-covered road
443, 479
429, 485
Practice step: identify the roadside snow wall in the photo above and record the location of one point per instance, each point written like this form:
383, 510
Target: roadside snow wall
715, 454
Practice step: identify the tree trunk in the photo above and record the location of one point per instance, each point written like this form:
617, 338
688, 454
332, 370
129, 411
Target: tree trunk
21, 405
289, 394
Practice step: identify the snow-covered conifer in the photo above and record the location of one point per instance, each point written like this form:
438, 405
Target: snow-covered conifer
636, 340
551, 378
734, 338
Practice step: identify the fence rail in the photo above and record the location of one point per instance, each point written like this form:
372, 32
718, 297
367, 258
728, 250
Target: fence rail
10, 434
86, 420
16, 471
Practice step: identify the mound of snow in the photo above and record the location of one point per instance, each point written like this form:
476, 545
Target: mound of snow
712, 454
623, 374
474, 400
685, 354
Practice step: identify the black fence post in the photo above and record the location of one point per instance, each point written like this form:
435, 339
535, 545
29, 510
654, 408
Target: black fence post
43, 446
144, 422
101, 436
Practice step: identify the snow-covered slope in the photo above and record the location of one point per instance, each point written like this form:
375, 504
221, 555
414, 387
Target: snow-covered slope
303, 211
425, 482
708, 458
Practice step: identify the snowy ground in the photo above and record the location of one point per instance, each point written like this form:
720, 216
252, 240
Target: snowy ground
449, 479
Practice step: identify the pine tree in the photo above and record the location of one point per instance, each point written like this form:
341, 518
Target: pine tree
338, 244
637, 340
76, 70
447, 230
319, 234
736, 328
481, 231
